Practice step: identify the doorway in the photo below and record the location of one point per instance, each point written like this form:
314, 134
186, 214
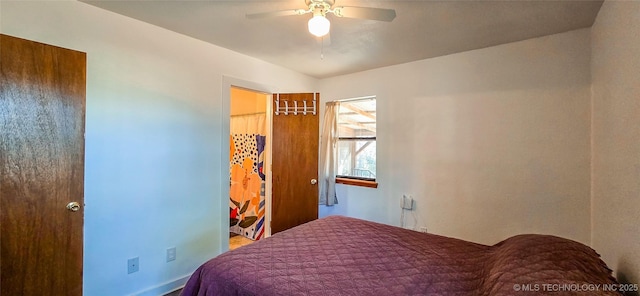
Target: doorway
249, 151
294, 159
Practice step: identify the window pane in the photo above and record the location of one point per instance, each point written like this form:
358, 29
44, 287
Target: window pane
357, 158
357, 119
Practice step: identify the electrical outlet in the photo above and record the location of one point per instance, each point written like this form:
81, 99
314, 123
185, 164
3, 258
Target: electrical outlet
423, 229
133, 265
171, 254
407, 202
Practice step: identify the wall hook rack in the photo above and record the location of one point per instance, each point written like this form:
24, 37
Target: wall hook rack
296, 109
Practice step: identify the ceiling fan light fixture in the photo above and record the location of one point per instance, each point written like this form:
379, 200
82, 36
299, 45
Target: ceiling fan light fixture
319, 25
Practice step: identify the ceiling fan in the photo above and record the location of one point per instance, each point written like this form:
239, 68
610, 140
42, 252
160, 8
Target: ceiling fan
319, 25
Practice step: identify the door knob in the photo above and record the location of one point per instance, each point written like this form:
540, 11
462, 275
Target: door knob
73, 206
314, 181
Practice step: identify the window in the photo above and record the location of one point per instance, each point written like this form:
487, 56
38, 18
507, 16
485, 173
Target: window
357, 141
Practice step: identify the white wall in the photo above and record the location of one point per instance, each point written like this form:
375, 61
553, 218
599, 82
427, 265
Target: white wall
615, 71
491, 142
154, 128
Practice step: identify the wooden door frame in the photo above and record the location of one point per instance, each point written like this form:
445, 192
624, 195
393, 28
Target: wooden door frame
227, 83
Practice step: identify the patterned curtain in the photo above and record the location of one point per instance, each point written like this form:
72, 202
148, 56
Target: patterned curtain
247, 192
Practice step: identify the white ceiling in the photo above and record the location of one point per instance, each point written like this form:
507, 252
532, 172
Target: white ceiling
421, 29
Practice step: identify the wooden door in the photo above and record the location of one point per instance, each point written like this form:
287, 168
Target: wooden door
295, 164
42, 107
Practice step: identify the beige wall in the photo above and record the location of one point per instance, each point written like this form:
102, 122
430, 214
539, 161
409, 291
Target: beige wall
490, 143
615, 71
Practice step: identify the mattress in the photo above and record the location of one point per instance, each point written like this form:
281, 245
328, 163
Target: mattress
346, 256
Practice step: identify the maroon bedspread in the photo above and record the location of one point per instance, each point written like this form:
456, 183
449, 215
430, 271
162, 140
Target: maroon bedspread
346, 256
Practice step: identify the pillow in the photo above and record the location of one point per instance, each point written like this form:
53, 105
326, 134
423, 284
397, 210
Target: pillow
547, 265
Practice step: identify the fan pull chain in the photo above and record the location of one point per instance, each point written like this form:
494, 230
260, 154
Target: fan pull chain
322, 48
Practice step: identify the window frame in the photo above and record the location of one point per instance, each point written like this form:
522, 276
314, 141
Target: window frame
355, 180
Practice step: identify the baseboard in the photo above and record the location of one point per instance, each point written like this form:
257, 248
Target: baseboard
164, 288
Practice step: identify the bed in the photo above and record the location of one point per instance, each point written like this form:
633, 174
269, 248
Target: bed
338, 255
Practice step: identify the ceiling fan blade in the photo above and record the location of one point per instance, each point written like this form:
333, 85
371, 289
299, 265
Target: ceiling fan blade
369, 13
276, 13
